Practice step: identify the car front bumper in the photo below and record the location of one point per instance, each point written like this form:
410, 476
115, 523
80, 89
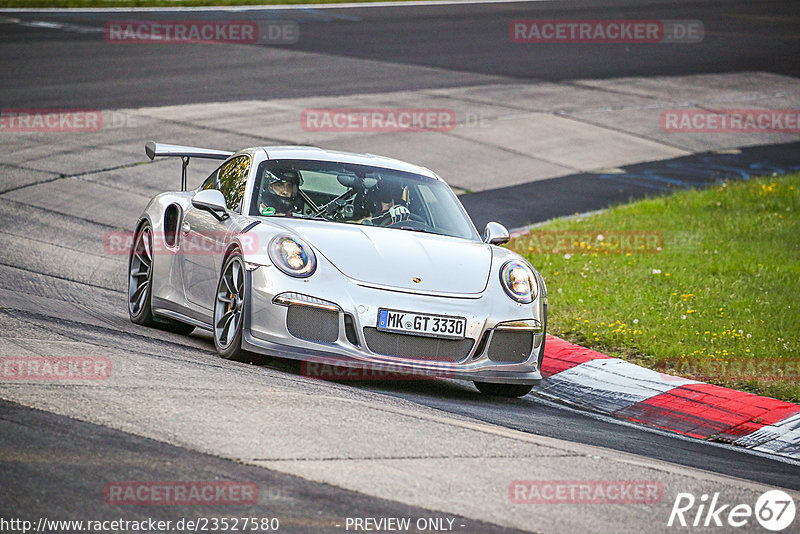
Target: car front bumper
344, 314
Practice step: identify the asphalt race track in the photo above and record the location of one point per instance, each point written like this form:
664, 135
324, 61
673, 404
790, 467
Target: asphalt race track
411, 48
319, 451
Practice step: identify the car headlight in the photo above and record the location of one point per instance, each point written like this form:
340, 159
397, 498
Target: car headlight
519, 281
292, 256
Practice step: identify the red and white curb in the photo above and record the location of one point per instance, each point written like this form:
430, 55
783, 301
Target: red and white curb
593, 380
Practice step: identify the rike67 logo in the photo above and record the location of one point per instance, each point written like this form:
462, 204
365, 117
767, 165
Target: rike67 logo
774, 510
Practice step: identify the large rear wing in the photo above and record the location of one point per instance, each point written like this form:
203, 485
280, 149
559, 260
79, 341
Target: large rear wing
153, 150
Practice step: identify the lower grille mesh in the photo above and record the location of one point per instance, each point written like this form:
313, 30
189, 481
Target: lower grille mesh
312, 324
417, 347
510, 347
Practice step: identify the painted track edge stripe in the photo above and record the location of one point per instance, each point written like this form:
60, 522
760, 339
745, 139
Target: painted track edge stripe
670, 409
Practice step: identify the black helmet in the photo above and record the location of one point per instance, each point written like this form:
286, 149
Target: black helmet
386, 192
281, 187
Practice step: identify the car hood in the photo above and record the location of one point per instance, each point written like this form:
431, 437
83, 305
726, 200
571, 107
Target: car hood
394, 257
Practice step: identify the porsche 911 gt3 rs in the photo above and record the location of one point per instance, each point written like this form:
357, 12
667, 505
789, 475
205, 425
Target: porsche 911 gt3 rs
334, 258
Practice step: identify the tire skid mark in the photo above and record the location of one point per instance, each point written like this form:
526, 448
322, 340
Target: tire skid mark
73, 175
33, 271
61, 214
59, 325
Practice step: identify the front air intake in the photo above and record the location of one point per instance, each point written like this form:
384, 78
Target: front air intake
417, 347
510, 347
313, 324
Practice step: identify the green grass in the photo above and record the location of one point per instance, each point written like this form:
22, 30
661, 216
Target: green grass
718, 299
158, 3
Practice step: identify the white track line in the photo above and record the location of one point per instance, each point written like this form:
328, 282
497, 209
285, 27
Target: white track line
267, 7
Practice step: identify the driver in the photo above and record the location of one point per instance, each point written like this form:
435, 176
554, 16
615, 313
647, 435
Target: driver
280, 192
388, 204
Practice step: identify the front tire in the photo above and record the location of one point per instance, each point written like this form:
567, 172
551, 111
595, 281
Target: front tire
503, 390
229, 309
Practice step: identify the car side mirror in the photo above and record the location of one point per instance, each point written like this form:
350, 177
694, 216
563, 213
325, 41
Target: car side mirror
212, 201
495, 234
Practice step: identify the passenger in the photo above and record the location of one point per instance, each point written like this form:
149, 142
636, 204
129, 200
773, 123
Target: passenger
387, 204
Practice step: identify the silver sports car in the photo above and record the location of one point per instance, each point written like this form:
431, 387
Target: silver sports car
345, 261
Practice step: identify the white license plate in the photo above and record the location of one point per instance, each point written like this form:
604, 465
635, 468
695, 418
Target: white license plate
421, 324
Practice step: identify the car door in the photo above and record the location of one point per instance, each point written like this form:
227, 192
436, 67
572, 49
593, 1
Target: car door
204, 237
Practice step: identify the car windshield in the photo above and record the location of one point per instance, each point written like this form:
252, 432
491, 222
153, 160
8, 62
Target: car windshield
358, 194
